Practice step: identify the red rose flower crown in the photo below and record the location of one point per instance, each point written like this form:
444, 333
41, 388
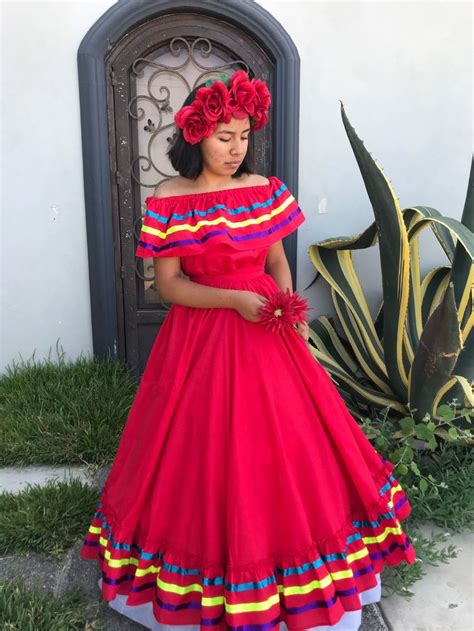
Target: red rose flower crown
220, 99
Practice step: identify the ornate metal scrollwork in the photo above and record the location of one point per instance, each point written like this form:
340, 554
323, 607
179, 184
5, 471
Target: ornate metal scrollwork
154, 123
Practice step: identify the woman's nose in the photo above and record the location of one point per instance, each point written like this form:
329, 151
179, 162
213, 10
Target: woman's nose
237, 148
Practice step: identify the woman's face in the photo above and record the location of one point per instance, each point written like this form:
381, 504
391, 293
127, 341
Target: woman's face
227, 145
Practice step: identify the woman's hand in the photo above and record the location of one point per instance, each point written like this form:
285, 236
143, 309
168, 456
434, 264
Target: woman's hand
302, 329
248, 304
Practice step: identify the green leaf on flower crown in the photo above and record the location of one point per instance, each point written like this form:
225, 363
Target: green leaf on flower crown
221, 77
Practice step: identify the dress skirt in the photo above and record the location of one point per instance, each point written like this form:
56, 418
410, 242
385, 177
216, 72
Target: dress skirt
243, 493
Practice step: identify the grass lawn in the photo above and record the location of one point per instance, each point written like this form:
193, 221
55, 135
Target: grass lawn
28, 610
46, 519
63, 413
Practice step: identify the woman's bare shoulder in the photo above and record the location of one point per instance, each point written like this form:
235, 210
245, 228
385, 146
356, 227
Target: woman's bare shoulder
184, 186
258, 180
169, 188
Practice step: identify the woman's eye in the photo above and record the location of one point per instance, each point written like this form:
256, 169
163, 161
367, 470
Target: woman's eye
229, 141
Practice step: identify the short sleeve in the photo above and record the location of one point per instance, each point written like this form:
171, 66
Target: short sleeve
156, 234
286, 214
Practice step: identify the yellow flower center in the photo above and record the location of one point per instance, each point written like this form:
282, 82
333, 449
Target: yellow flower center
277, 312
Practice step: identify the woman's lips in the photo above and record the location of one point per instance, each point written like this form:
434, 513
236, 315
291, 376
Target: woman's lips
233, 164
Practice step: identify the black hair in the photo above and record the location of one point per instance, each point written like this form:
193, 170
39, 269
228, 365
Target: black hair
186, 158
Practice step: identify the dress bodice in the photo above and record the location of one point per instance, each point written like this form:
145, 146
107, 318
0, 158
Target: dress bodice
223, 259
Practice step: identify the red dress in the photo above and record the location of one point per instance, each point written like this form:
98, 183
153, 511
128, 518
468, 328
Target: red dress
243, 492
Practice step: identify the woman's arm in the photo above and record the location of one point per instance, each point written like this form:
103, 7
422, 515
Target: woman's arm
174, 288
277, 266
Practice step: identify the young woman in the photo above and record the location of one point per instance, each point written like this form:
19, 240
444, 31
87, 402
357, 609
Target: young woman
243, 493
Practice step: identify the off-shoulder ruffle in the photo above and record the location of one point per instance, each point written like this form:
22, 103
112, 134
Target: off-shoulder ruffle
246, 217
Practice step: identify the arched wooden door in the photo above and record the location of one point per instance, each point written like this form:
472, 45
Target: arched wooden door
149, 71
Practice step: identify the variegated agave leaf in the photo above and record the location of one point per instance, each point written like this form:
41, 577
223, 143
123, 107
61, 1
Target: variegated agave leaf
436, 355
376, 364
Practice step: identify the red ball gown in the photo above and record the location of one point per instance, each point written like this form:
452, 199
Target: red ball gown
243, 493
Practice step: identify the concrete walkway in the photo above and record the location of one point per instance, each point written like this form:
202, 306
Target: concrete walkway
443, 599
16, 479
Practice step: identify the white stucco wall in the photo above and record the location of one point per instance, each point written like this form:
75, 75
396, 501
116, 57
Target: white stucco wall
402, 69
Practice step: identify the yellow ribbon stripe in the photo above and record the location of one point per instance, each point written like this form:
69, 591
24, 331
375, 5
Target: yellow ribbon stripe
214, 222
235, 608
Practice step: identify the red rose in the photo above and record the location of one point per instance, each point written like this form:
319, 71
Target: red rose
242, 95
215, 102
262, 105
192, 121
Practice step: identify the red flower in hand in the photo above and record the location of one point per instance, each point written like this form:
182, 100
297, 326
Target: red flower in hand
283, 310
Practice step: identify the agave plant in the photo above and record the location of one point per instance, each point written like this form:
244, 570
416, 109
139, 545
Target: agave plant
417, 353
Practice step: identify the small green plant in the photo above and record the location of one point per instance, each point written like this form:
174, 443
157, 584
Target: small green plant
437, 475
